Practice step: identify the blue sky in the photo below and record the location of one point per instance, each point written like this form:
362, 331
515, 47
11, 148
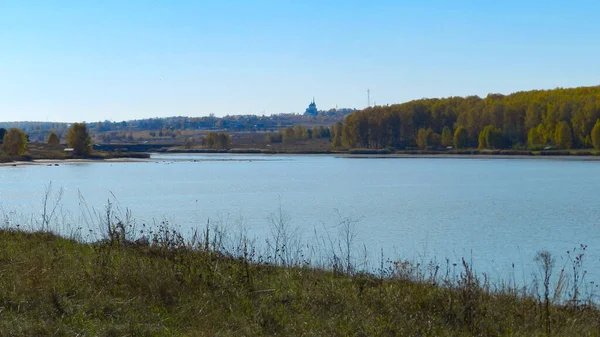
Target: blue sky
119, 60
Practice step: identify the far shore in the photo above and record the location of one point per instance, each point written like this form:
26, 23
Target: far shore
472, 156
53, 162
58, 162
392, 155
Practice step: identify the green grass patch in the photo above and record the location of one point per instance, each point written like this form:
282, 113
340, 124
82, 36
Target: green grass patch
55, 286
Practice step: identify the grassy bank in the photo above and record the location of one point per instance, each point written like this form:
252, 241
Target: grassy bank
169, 286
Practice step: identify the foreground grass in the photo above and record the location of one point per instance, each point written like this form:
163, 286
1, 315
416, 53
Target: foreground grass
55, 286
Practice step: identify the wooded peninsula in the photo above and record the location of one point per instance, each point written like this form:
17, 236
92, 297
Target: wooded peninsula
558, 118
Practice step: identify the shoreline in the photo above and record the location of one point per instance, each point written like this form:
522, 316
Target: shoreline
472, 156
48, 162
391, 155
58, 162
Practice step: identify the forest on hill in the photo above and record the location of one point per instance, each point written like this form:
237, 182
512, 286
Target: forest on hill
558, 118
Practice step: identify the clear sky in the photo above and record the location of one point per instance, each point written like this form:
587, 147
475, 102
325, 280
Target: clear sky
83, 60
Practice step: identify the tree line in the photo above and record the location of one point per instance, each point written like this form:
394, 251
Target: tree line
560, 118
218, 141
14, 140
298, 132
170, 126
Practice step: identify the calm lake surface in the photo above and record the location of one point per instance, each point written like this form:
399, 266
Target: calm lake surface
497, 212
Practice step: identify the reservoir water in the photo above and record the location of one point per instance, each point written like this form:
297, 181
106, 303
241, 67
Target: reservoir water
496, 212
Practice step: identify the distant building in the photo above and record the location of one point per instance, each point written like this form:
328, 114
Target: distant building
312, 109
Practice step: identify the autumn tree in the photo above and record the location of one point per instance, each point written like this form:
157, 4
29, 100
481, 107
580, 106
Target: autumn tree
562, 135
288, 134
481, 140
514, 115
79, 139
447, 139
596, 135
300, 132
210, 140
53, 139
218, 141
535, 137
533, 115
14, 142
422, 138
337, 131
491, 138
461, 138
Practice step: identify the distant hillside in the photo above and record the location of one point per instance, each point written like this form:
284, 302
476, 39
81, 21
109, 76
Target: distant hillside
38, 131
558, 118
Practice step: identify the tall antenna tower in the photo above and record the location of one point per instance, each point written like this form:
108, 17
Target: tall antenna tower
368, 97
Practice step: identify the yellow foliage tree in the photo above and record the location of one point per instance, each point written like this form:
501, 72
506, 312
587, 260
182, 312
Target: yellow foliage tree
14, 142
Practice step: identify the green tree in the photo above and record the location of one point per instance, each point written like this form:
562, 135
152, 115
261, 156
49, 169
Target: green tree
461, 138
2, 133
288, 135
434, 139
533, 115
79, 139
210, 140
300, 132
53, 139
217, 141
273, 137
596, 135
491, 138
494, 138
14, 142
224, 141
563, 136
587, 141
535, 138
447, 137
320, 132
481, 140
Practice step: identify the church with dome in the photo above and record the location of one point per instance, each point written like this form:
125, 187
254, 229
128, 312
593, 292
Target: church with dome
312, 109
